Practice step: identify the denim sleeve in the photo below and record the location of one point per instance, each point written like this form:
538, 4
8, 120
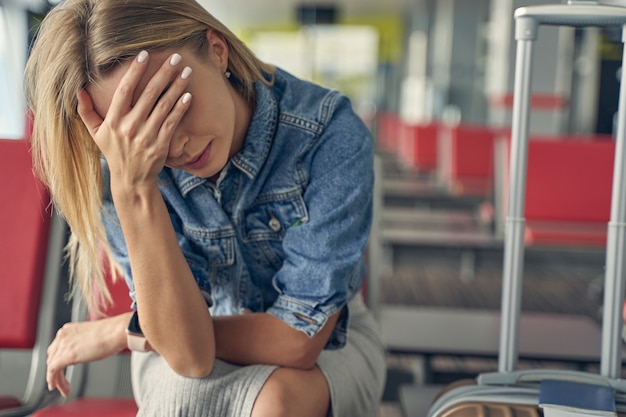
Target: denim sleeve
323, 267
118, 243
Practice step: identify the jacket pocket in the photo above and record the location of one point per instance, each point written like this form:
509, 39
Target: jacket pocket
217, 246
266, 223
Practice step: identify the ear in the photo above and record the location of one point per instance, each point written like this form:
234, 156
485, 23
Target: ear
218, 48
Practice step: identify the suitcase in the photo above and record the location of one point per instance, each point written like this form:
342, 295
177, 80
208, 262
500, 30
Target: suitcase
508, 392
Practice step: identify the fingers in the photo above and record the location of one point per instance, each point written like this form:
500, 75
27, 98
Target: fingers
165, 123
163, 91
123, 97
59, 357
55, 377
57, 380
159, 107
87, 112
63, 385
54, 372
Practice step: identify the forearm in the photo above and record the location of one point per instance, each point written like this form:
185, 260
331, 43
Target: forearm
170, 307
260, 338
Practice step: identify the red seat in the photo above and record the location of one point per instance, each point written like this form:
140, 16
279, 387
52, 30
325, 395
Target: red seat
466, 159
86, 405
24, 226
8, 401
92, 407
419, 146
30, 265
389, 131
568, 190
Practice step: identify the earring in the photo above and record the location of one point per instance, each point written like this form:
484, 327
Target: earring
227, 74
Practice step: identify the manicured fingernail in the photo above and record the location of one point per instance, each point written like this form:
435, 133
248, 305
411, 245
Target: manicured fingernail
186, 98
186, 73
143, 55
175, 59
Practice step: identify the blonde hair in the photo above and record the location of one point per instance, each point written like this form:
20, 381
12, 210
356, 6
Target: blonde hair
78, 42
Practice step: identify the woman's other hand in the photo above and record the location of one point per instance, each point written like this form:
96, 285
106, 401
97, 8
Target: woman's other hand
81, 342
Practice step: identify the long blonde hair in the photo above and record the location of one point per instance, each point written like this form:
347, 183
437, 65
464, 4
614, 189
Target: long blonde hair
78, 42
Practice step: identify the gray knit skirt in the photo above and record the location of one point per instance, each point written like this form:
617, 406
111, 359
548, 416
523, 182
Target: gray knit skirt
355, 375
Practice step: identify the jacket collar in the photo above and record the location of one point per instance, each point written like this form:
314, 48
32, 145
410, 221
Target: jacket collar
260, 133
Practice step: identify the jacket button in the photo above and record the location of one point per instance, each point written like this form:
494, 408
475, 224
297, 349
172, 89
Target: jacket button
275, 224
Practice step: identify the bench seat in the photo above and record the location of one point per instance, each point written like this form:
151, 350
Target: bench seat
418, 146
466, 159
568, 189
565, 233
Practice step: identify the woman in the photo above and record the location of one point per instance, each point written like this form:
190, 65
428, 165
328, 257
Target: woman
234, 199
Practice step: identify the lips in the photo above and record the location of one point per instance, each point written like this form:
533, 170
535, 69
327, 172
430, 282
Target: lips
200, 160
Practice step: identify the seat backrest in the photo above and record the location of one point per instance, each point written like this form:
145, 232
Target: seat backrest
472, 151
570, 180
32, 238
120, 297
25, 221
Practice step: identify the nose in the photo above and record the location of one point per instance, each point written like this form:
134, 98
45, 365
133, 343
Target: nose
177, 145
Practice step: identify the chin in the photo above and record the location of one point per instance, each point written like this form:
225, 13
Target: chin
211, 170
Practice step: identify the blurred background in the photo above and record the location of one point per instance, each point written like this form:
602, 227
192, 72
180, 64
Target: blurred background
433, 80
422, 59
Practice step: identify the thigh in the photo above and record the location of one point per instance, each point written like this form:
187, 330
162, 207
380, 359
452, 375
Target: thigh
229, 391
356, 373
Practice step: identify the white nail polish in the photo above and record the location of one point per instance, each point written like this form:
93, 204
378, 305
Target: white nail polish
175, 59
186, 98
143, 55
186, 73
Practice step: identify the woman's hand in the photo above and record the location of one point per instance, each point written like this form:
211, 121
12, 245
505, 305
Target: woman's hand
83, 342
135, 126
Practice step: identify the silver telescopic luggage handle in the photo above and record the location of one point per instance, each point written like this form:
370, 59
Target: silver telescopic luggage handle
573, 14
528, 19
621, 3
576, 13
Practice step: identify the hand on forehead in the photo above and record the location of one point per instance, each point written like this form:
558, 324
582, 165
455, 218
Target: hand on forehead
102, 90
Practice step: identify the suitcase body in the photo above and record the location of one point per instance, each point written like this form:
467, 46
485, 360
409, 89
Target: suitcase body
516, 393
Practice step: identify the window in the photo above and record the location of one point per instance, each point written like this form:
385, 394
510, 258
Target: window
13, 46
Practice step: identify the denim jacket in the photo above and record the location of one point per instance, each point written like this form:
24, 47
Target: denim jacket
284, 228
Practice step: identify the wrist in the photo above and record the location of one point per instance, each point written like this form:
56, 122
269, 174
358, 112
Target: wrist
121, 325
135, 340
134, 194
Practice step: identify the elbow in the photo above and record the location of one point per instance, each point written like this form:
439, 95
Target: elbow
190, 361
303, 358
305, 364
192, 368
190, 357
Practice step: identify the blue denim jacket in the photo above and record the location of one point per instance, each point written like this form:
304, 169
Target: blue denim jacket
284, 228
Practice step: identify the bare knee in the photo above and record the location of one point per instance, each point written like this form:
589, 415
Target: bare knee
273, 399
291, 392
